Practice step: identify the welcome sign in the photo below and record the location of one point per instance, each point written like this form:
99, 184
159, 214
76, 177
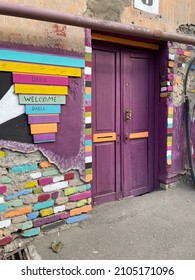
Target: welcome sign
150, 6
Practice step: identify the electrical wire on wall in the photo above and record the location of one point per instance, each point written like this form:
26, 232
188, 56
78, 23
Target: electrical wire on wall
187, 121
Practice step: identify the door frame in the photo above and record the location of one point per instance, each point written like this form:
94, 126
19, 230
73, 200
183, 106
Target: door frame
103, 45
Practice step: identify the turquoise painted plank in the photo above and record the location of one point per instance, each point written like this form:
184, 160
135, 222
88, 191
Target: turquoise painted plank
88, 97
88, 143
23, 168
43, 109
48, 59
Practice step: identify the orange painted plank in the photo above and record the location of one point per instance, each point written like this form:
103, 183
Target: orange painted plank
43, 128
139, 135
123, 41
88, 148
104, 137
88, 178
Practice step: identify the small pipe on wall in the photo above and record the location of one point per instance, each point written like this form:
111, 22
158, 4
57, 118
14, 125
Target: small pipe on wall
10, 9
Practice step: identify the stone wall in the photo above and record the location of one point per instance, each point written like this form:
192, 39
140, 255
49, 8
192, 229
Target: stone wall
34, 195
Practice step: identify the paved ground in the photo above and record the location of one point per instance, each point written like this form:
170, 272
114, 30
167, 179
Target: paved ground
159, 225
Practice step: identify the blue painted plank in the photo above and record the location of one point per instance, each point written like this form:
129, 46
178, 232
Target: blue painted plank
33, 215
88, 142
48, 59
43, 109
88, 97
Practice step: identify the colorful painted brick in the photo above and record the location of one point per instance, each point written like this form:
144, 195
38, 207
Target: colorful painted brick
80, 210
58, 209
56, 186
54, 195
42, 205
6, 240
45, 164
32, 216
2, 154
3, 189
50, 172
3, 207
20, 193
81, 203
46, 220
31, 184
36, 175
31, 232
15, 203
46, 212
70, 191
37, 191
81, 188
26, 225
18, 212
64, 215
80, 196
5, 180
45, 181
23, 168
1, 199
69, 176
5, 223
58, 178
75, 219
43, 197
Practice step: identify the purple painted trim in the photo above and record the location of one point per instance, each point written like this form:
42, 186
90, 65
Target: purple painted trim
43, 119
88, 103
88, 154
39, 79
44, 137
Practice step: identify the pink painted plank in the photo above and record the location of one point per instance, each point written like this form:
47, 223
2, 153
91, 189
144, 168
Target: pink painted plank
21, 78
43, 119
88, 154
88, 137
45, 137
77, 197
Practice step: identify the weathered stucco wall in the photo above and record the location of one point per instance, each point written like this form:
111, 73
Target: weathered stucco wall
48, 35
172, 14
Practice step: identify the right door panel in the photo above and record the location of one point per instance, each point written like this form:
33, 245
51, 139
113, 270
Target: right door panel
138, 122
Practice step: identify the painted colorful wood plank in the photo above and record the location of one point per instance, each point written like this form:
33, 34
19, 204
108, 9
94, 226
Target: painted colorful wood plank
49, 59
43, 128
42, 99
21, 78
45, 137
33, 119
40, 89
138, 135
20, 67
42, 109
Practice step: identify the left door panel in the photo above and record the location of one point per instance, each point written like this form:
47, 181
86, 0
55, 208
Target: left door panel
106, 124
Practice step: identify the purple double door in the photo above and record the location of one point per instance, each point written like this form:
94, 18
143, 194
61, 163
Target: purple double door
123, 123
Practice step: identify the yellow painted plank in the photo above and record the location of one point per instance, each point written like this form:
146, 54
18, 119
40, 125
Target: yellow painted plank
138, 135
39, 69
104, 137
169, 161
40, 89
88, 114
123, 41
43, 128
